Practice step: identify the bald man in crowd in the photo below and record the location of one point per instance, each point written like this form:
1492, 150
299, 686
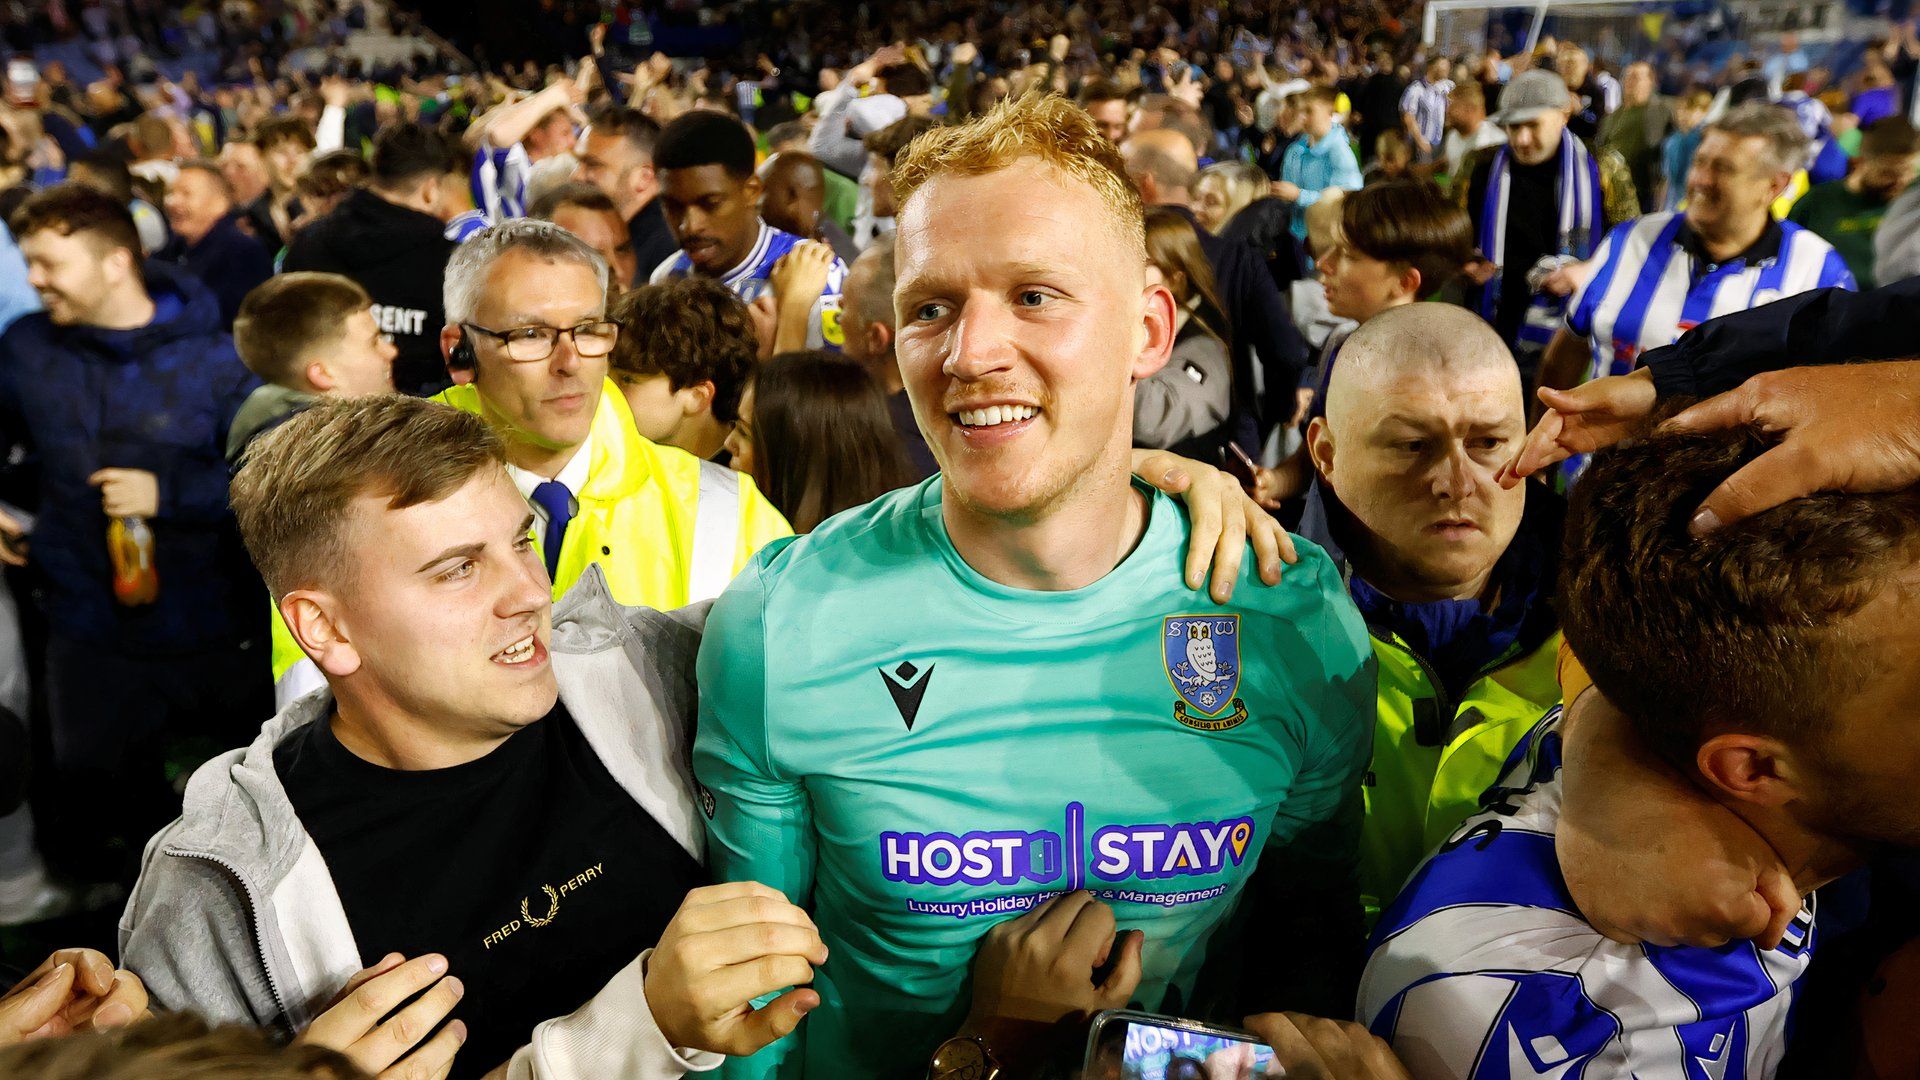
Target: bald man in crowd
1161, 162
1453, 573
793, 197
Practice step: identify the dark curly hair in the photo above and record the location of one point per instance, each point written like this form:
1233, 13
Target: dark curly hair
692, 330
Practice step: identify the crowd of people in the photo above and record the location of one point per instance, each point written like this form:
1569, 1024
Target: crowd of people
853, 559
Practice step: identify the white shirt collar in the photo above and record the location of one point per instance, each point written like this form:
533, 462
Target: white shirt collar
573, 476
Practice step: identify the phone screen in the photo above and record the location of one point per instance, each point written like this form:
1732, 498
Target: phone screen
1139, 1046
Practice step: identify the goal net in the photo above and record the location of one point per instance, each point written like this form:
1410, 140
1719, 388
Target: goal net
1607, 29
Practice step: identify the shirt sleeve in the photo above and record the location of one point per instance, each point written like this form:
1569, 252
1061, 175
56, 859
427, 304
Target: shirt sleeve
1586, 299
1824, 326
760, 821
613, 1034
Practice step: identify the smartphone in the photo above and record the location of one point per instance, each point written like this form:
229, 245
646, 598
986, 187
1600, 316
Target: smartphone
1128, 1045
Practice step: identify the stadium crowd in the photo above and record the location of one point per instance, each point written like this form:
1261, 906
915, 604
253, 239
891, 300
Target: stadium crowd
854, 554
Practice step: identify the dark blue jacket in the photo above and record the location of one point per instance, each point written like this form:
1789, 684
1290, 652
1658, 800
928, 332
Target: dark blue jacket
1826, 326
159, 398
227, 260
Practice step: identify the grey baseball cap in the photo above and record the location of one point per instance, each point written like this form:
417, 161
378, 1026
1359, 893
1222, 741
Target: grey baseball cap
1531, 94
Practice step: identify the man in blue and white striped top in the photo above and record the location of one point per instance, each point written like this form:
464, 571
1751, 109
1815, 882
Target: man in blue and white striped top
1768, 671
1656, 277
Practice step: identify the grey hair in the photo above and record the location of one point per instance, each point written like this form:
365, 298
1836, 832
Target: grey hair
467, 269
1787, 142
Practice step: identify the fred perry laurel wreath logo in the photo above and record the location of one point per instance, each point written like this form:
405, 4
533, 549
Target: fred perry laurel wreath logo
553, 908
1202, 656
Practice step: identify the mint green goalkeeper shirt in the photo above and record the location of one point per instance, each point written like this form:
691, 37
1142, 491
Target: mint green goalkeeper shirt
915, 752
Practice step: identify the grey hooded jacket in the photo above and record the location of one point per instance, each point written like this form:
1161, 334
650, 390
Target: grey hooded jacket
235, 914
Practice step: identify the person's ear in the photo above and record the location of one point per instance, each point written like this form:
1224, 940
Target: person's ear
752, 187
1751, 768
1781, 182
1320, 447
319, 377
879, 338
696, 399
312, 617
1409, 282
1157, 343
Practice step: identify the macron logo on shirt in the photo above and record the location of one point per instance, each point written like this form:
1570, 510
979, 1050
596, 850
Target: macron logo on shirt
908, 685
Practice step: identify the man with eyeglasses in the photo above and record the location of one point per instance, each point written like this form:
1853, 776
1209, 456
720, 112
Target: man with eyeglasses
526, 342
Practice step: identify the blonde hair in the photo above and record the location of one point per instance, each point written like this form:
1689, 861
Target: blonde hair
1241, 182
291, 494
1051, 129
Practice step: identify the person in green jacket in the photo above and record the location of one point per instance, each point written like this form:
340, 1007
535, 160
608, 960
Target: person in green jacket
1453, 574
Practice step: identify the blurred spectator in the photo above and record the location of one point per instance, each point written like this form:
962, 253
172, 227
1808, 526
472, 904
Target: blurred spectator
874, 215
587, 212
390, 237
1468, 128
1850, 213
1186, 404
1321, 159
306, 335
870, 329
326, 182
285, 143
108, 173
1638, 130
616, 155
1221, 191
815, 435
685, 352
1575, 68
1423, 109
793, 189
125, 387
207, 242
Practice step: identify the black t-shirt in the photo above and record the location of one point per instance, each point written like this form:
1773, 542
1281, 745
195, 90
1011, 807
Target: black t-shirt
530, 869
1533, 231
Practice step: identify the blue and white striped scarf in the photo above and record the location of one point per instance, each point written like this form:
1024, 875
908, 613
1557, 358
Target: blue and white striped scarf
1581, 219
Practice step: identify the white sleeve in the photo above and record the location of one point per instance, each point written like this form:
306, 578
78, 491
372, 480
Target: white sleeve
613, 1034
331, 134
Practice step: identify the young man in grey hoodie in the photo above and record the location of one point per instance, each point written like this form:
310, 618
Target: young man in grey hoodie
486, 779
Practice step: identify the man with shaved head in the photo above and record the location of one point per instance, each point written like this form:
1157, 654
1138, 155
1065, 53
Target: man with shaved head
1161, 163
1452, 572
793, 197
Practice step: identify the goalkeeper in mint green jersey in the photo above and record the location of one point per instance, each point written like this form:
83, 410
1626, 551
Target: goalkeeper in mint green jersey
942, 708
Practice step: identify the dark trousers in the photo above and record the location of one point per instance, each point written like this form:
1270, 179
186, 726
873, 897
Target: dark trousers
126, 731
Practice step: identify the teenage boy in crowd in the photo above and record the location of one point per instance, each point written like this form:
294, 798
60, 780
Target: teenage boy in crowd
307, 336
685, 350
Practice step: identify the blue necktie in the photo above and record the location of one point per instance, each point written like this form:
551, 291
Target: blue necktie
553, 497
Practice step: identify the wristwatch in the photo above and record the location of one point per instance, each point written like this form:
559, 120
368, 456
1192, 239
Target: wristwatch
963, 1057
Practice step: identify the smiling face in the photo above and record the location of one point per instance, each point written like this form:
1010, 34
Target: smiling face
195, 204
714, 215
546, 404
446, 612
1410, 449
1732, 184
73, 274
1024, 319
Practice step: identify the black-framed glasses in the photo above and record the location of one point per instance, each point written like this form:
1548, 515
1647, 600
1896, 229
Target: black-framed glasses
531, 344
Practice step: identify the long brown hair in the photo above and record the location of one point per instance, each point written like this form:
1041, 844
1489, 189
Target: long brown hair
1174, 247
823, 441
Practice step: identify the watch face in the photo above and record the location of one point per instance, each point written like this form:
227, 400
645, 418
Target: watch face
961, 1059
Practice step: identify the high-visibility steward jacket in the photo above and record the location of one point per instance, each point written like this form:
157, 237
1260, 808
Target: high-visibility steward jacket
665, 527
1434, 754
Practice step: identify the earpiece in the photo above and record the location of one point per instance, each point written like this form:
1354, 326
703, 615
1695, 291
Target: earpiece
460, 357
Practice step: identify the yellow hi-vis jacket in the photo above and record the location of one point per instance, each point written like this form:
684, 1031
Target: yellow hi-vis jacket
665, 527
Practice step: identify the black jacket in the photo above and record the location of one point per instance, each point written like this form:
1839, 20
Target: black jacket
400, 257
1262, 324
653, 241
226, 260
1826, 326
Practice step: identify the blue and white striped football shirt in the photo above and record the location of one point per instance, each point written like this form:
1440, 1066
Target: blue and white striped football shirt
1483, 969
1649, 288
500, 181
754, 276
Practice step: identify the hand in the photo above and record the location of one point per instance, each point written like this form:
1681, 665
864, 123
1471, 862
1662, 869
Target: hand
597, 38
801, 274
1273, 487
13, 542
727, 945
356, 1024
335, 92
1649, 857
1566, 280
1312, 1048
1586, 418
1222, 517
1480, 271
71, 990
1285, 189
1057, 47
127, 492
1844, 427
766, 322
1038, 969
965, 53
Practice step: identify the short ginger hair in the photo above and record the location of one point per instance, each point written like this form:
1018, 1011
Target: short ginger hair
1050, 129
296, 483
